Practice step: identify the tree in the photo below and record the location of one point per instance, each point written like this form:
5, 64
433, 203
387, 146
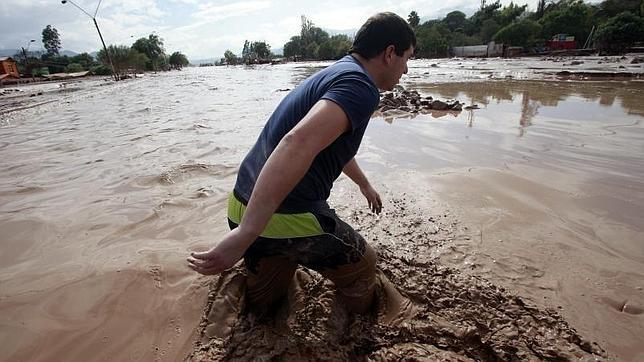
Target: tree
315, 43
341, 45
293, 48
305, 31
413, 19
152, 47
55, 63
523, 33
84, 59
612, 8
261, 49
311, 43
255, 50
571, 17
431, 43
138, 60
246, 52
458, 38
74, 68
510, 13
311, 38
455, 20
541, 9
335, 48
230, 58
163, 63
620, 32
311, 51
491, 11
488, 29
120, 55
51, 40
177, 60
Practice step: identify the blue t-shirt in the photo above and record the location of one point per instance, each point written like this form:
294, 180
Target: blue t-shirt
347, 84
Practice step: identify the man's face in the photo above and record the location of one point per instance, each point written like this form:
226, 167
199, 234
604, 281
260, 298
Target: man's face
398, 67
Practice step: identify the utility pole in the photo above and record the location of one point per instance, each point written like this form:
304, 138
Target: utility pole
93, 17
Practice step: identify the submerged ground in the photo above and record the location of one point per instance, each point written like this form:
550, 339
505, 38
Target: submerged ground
510, 230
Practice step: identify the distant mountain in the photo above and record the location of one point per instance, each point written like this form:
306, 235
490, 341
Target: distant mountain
11, 52
204, 61
350, 32
68, 53
8, 52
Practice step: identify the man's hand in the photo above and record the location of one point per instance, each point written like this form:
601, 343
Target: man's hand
354, 172
373, 198
222, 256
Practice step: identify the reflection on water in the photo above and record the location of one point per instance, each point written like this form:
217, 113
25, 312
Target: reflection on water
534, 95
516, 120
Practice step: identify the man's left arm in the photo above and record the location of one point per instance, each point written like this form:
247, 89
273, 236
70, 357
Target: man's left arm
353, 171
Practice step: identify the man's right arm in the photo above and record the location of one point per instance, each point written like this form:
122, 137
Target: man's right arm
286, 166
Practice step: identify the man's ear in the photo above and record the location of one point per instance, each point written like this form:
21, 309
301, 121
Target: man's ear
389, 53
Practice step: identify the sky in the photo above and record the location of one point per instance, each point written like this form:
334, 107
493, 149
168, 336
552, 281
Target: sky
200, 29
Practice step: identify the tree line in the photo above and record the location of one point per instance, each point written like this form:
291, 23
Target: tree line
253, 52
145, 54
611, 26
313, 43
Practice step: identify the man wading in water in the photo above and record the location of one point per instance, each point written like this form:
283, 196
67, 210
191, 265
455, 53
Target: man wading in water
278, 211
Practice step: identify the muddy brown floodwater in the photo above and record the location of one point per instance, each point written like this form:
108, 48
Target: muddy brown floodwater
510, 231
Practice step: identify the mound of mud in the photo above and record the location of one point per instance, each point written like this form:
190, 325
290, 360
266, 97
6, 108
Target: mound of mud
423, 311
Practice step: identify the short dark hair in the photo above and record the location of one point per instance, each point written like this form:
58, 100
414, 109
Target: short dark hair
381, 31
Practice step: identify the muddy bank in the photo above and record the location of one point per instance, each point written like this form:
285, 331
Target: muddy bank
23, 97
423, 309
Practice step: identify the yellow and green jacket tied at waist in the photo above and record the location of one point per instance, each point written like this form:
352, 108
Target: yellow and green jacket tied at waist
280, 226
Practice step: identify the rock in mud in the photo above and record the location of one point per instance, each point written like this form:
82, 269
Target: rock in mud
438, 105
411, 102
637, 60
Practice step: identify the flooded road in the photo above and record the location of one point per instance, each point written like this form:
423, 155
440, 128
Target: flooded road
104, 191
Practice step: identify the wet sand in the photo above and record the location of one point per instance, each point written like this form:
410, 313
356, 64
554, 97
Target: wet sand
537, 194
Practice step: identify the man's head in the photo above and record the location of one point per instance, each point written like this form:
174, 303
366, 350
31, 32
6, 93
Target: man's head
380, 31
388, 41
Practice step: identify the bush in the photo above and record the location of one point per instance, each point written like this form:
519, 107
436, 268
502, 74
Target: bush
523, 33
574, 19
74, 68
101, 70
38, 72
620, 32
431, 43
334, 48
